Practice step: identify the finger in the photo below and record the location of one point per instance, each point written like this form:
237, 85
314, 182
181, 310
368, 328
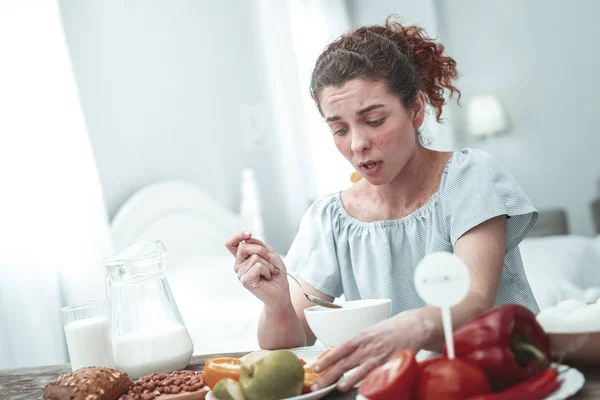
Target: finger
275, 257
336, 372
245, 250
259, 242
254, 274
253, 259
350, 380
335, 355
234, 241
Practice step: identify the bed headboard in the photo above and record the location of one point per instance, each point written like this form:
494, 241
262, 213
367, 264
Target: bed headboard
596, 214
550, 222
555, 222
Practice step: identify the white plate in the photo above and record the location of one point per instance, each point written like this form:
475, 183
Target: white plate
319, 394
573, 381
308, 354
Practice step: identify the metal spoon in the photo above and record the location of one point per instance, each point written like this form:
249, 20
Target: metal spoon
311, 298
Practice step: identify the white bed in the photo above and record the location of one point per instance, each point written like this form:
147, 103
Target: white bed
219, 313
561, 267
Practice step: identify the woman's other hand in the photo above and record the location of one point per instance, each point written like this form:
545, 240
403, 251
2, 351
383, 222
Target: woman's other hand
368, 350
255, 268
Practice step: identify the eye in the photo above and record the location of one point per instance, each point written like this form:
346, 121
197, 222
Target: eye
340, 132
377, 122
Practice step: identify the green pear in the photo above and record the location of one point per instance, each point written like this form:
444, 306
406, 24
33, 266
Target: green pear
274, 375
254, 356
228, 389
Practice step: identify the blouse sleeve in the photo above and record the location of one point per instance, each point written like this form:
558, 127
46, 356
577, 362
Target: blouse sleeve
312, 255
477, 189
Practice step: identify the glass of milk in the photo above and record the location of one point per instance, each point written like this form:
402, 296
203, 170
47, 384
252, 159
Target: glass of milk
87, 330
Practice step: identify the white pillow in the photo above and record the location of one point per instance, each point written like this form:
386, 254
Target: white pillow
560, 267
550, 291
595, 246
568, 257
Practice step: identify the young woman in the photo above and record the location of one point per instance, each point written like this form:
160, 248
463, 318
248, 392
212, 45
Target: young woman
372, 86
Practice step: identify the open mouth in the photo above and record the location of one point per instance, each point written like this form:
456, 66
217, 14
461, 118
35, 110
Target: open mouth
370, 167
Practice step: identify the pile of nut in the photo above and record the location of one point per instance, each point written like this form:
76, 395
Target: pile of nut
150, 386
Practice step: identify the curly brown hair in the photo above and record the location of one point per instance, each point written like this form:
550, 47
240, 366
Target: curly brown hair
404, 57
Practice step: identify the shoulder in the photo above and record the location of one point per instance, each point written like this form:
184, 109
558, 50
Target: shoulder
477, 188
469, 167
469, 159
323, 210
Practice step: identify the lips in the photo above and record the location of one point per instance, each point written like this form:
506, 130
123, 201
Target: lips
370, 167
368, 163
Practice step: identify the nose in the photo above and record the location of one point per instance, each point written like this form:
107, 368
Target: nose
360, 141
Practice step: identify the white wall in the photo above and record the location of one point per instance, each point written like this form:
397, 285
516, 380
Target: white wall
420, 13
161, 85
540, 57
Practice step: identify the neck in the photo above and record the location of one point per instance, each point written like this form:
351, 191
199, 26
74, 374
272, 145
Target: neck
410, 186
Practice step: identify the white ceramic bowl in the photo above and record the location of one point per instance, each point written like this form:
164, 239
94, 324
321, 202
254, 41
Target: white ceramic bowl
334, 326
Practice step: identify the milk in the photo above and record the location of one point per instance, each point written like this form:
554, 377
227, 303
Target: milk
89, 343
143, 352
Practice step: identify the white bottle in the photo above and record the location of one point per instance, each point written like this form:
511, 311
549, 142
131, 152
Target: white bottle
250, 213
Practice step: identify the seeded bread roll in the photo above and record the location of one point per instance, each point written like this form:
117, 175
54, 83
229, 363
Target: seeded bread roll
92, 383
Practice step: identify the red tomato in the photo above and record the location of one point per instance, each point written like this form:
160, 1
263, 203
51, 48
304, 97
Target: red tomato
455, 379
396, 379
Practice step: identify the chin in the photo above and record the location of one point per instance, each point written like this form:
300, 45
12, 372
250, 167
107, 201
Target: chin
377, 180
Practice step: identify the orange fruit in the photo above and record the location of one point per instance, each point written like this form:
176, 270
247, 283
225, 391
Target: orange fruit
310, 376
217, 368
355, 177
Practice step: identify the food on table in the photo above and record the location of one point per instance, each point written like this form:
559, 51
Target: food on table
179, 385
455, 379
255, 355
536, 388
396, 379
228, 389
310, 376
507, 342
218, 368
275, 375
88, 383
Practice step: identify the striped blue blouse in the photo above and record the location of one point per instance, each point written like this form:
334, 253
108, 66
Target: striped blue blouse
337, 254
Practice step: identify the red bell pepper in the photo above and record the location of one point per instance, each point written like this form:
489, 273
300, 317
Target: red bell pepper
396, 379
456, 379
537, 388
507, 342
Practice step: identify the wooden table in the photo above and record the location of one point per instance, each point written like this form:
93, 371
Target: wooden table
28, 383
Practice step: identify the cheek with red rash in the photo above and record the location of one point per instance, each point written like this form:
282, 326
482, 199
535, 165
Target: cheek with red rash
383, 140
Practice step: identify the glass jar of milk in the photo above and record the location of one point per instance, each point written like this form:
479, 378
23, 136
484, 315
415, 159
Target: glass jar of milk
148, 332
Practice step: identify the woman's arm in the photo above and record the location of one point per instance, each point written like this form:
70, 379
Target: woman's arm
284, 325
482, 248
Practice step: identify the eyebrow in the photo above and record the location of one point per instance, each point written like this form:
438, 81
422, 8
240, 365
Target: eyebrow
360, 112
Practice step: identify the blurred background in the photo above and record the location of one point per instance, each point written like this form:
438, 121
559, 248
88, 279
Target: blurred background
188, 120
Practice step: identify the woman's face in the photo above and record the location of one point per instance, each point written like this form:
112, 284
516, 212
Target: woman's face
371, 127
